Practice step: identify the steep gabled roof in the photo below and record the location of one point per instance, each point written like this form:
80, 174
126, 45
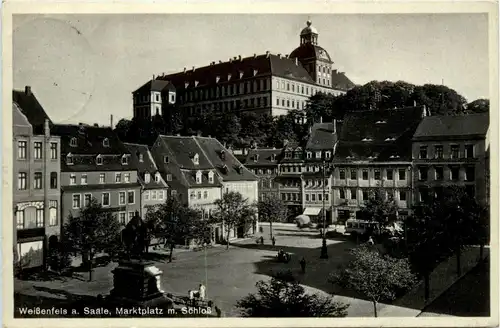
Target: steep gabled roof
378, 135
147, 165
31, 108
156, 85
263, 156
323, 137
464, 126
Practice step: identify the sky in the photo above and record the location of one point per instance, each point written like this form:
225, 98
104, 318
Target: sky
84, 68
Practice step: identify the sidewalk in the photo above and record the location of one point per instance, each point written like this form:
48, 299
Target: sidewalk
442, 278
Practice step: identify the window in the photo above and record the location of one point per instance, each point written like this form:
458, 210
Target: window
38, 150
196, 159
438, 173
454, 172
390, 174
76, 201
342, 194
22, 180
157, 177
422, 173
326, 197
130, 215
320, 197
131, 197
205, 194
423, 152
160, 194
342, 174
122, 217
328, 155
102, 178
99, 160
423, 194
53, 180
365, 174
353, 193
83, 179
469, 151
318, 154
438, 151
105, 199
365, 195
454, 151
199, 194
21, 149
124, 160
470, 190
165, 159
20, 219
309, 155
210, 177
105, 142
73, 142
377, 174
126, 177
118, 177
37, 181
402, 174
307, 197
153, 194
72, 179
402, 195
53, 150
146, 195
147, 177
87, 198
169, 177
198, 177
39, 218
470, 173
121, 198
141, 159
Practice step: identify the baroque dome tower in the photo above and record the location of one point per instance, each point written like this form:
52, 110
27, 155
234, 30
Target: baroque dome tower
314, 58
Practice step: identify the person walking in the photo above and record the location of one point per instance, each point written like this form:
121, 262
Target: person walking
303, 265
218, 311
201, 292
274, 241
370, 241
262, 240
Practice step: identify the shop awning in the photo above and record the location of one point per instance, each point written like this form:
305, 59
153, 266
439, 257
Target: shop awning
312, 210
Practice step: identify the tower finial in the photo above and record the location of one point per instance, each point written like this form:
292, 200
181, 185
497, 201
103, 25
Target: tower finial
309, 22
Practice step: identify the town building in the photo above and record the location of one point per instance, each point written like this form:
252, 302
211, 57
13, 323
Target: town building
96, 164
154, 190
374, 152
199, 170
451, 150
266, 83
290, 178
316, 173
36, 189
264, 163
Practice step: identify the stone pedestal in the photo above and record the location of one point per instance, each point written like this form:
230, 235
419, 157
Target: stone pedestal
137, 283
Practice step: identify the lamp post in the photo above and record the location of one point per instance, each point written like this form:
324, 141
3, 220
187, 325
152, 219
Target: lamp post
324, 250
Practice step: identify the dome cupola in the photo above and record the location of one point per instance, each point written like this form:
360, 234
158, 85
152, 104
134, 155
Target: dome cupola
309, 34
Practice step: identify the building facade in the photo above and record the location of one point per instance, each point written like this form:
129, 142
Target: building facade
36, 193
96, 164
374, 153
268, 83
290, 179
451, 150
154, 190
199, 170
264, 163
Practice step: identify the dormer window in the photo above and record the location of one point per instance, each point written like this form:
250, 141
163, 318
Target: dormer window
105, 142
273, 157
240, 169
328, 154
98, 160
217, 78
147, 177
318, 154
198, 177
367, 139
165, 159
241, 74
210, 177
309, 155
73, 142
223, 155
141, 158
157, 177
390, 139
288, 155
196, 159
380, 122
224, 168
229, 77
69, 159
124, 160
256, 157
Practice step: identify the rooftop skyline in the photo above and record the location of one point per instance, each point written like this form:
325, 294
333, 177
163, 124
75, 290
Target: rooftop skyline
82, 68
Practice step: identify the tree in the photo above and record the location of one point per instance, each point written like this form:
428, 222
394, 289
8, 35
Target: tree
439, 99
93, 231
232, 210
176, 223
322, 107
380, 210
375, 276
283, 296
122, 128
479, 106
271, 209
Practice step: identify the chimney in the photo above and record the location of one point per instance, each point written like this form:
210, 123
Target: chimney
239, 57
46, 128
184, 70
96, 125
153, 76
267, 54
334, 126
286, 56
220, 61
279, 56
254, 55
321, 119
111, 120
27, 90
194, 68
230, 60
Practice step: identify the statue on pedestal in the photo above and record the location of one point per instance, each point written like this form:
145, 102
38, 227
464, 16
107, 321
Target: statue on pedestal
134, 237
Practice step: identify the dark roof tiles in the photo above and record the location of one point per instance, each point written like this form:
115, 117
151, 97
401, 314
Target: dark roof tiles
453, 126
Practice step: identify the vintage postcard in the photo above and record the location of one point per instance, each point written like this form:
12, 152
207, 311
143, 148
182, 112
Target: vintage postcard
250, 164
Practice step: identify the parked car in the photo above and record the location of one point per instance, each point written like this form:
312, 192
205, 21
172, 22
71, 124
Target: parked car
361, 227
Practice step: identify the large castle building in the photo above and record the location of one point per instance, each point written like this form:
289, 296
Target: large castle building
267, 83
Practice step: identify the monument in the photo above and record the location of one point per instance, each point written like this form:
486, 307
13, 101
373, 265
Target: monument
136, 281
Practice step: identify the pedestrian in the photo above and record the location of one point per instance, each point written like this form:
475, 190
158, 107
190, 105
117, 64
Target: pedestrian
303, 264
274, 241
218, 311
201, 292
262, 240
370, 241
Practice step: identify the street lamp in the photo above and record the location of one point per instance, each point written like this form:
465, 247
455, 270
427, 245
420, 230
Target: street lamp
324, 250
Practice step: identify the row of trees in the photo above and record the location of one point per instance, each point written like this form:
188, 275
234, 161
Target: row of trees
247, 128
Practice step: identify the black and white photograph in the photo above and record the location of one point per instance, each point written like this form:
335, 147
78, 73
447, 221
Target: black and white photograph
238, 165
